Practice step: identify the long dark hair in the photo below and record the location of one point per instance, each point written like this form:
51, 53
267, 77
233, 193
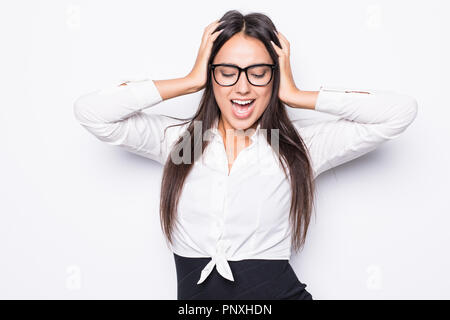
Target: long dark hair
291, 149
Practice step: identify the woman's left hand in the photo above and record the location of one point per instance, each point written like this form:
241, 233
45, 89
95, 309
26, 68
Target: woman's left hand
287, 84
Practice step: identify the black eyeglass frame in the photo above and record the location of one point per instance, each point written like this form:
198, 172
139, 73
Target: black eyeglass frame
213, 66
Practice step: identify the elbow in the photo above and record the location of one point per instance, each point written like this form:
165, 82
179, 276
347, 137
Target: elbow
410, 110
81, 108
407, 109
77, 108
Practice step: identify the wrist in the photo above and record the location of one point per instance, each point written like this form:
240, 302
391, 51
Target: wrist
191, 84
291, 97
302, 99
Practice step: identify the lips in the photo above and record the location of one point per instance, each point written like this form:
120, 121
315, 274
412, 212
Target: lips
242, 111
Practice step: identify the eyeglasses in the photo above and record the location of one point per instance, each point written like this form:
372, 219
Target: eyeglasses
228, 75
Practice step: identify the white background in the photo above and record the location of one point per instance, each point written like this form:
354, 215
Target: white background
79, 218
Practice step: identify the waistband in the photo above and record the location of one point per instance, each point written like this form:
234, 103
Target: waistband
260, 278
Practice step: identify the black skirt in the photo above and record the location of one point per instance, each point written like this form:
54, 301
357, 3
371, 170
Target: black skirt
254, 279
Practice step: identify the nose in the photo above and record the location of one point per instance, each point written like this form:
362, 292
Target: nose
242, 86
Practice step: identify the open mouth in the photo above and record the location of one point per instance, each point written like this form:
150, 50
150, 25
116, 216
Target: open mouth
243, 109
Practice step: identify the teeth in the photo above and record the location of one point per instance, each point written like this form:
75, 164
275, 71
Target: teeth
242, 102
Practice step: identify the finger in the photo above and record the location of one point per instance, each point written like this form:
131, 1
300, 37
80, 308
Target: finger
285, 46
215, 35
277, 49
284, 40
213, 25
216, 26
279, 39
208, 30
216, 29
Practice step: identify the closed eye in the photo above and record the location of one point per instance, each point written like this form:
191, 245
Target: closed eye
259, 75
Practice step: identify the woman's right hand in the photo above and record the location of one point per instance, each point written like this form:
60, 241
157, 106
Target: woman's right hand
198, 74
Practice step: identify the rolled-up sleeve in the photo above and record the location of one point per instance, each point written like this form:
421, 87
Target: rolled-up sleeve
114, 115
364, 120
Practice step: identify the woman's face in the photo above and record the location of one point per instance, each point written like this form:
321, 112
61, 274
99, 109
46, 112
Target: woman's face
242, 51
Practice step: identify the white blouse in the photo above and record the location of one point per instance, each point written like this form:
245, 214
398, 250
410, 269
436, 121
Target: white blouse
243, 214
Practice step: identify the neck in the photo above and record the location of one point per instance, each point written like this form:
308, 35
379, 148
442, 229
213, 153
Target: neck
226, 129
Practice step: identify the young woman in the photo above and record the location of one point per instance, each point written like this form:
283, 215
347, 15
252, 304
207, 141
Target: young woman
234, 203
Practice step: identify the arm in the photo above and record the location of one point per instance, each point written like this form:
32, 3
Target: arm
365, 119
114, 115
176, 87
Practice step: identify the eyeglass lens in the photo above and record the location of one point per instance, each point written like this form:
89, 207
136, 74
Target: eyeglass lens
258, 75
